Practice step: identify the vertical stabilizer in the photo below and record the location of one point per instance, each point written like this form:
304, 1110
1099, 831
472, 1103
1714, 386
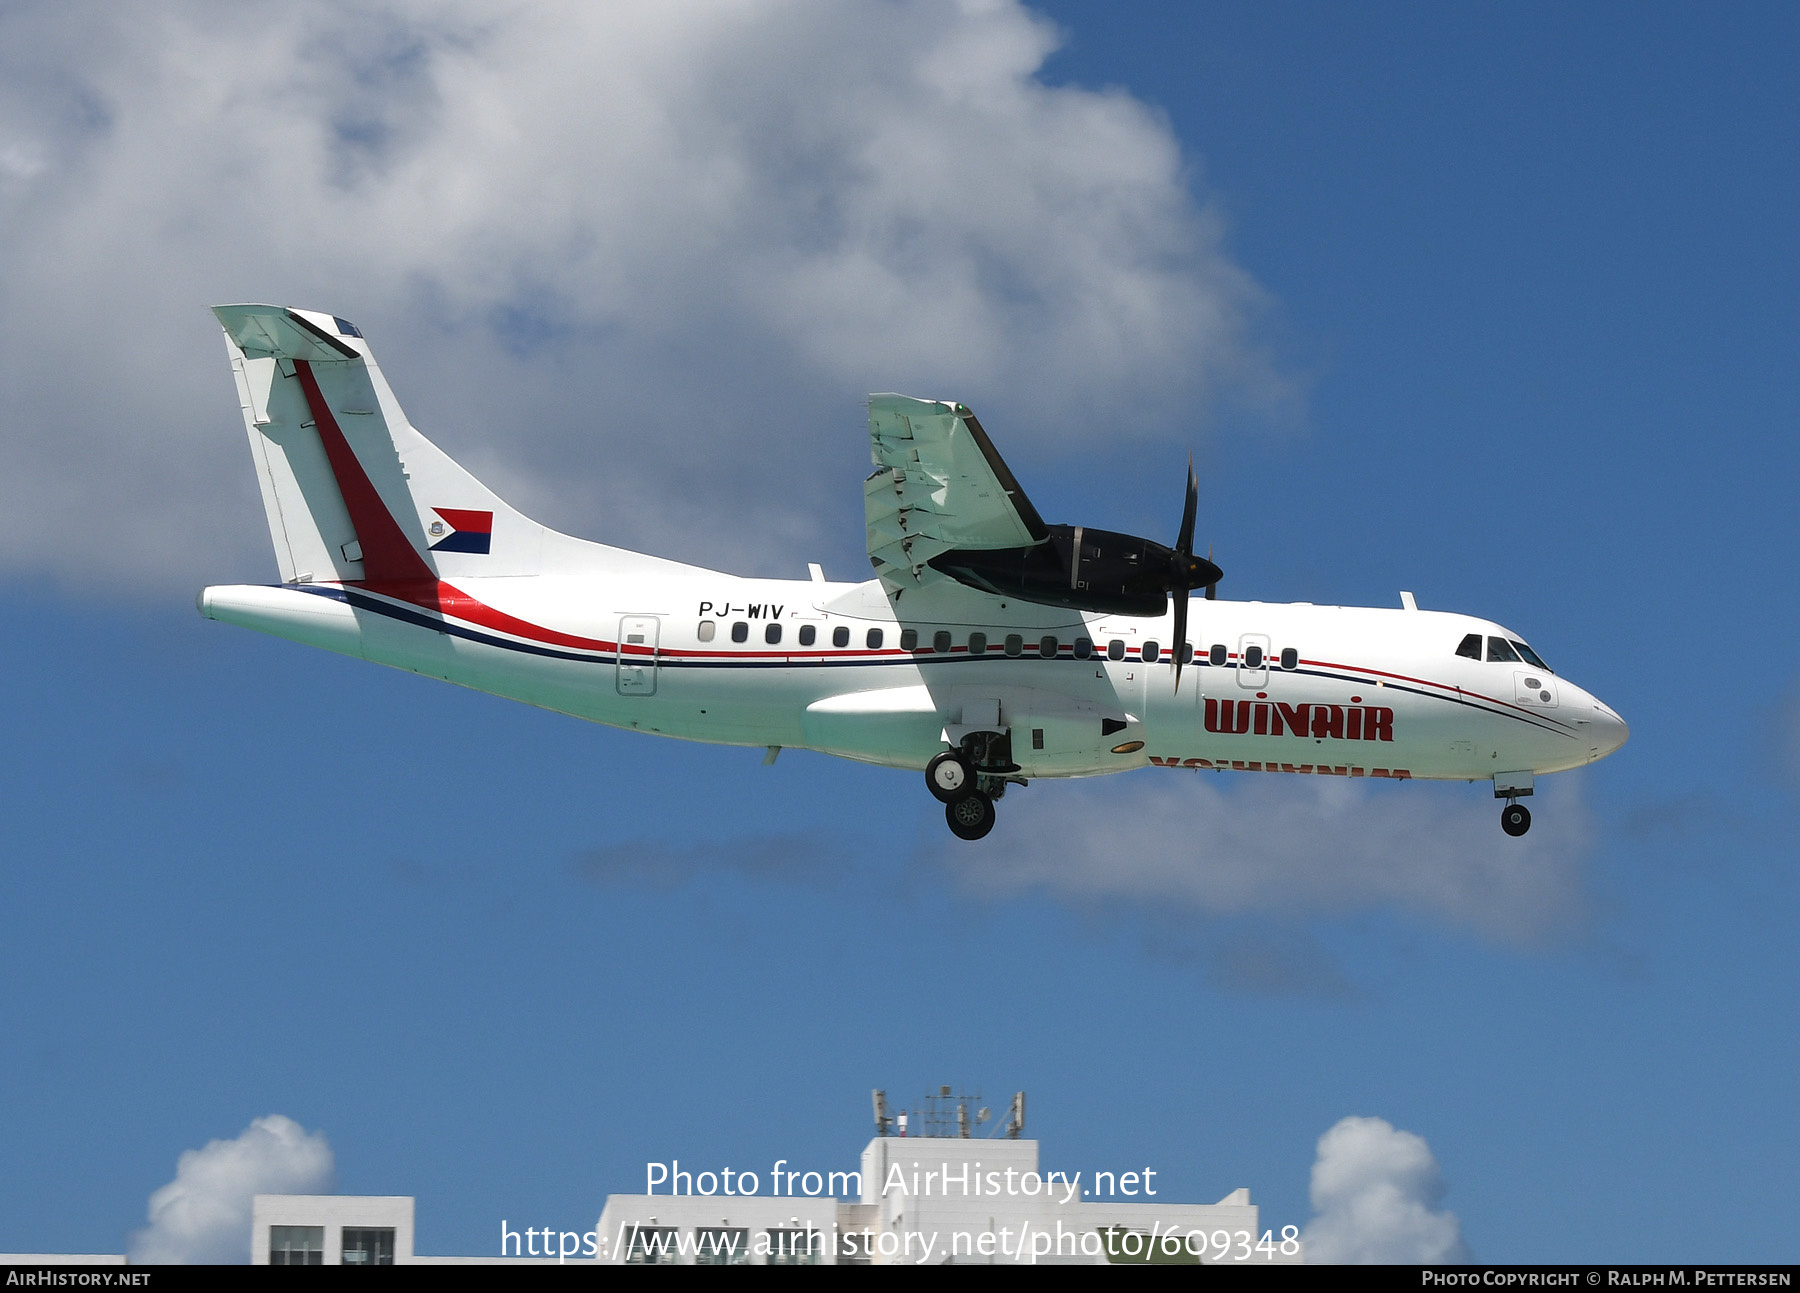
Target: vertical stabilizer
352, 491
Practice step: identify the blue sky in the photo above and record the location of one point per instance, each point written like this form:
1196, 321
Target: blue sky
1509, 321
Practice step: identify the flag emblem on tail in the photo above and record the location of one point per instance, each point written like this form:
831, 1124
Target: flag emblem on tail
462, 530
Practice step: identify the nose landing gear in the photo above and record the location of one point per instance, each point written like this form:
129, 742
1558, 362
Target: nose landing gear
1515, 818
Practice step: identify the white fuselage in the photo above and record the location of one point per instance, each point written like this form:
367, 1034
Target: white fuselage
1371, 692
390, 551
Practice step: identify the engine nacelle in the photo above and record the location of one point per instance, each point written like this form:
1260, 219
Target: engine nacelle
1086, 570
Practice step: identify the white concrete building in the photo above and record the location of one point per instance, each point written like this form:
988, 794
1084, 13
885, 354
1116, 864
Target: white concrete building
944, 1198
346, 1230
939, 1199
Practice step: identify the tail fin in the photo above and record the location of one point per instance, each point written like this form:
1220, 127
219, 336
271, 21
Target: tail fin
353, 492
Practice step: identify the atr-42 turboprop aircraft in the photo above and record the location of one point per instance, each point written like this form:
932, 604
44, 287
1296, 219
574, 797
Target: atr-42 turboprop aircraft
990, 649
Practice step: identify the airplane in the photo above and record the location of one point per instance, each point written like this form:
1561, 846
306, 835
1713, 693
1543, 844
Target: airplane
989, 650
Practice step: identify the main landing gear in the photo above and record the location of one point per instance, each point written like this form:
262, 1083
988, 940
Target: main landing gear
1515, 818
971, 816
969, 780
949, 776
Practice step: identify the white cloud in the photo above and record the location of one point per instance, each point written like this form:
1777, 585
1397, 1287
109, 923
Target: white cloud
650, 257
1261, 844
203, 1215
1375, 1192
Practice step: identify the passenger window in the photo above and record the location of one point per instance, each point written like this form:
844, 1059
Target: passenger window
1218, 655
1470, 647
940, 642
772, 634
840, 636
808, 635
1084, 647
1115, 650
1499, 652
1187, 653
1151, 652
874, 639
707, 629
977, 644
1290, 658
740, 632
1253, 657
1047, 647
909, 639
1015, 645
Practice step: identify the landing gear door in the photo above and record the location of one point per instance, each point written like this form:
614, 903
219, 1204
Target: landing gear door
638, 657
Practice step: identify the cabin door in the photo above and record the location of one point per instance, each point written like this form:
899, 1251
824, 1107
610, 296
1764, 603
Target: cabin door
638, 657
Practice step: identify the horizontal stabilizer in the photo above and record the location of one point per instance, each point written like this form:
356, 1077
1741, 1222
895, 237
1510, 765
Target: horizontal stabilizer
265, 331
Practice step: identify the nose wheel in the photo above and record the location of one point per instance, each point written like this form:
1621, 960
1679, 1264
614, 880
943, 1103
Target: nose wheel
1515, 818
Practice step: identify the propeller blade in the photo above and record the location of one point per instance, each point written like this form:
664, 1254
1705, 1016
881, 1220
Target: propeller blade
1184, 564
1212, 589
1180, 644
1184, 542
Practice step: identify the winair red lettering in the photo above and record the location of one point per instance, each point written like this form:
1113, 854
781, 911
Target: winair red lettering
1304, 767
1228, 717
1325, 770
1328, 720
1261, 709
1353, 724
1165, 763
1296, 715
1378, 723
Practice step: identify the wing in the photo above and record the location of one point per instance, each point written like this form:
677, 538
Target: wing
938, 485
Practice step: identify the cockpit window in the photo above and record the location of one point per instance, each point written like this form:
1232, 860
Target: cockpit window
1531, 657
1500, 651
1470, 647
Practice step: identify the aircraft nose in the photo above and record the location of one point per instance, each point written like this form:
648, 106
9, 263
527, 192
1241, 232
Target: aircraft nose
1609, 731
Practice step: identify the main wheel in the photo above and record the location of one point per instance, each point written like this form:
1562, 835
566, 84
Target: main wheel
971, 816
1515, 819
949, 776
